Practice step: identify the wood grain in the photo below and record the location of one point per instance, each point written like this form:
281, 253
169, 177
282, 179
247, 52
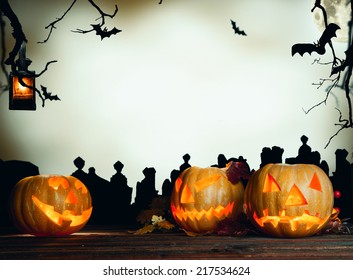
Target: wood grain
110, 243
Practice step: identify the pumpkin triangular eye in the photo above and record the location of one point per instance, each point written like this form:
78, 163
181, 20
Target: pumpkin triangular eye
178, 183
71, 198
271, 185
295, 197
57, 181
315, 183
80, 185
186, 195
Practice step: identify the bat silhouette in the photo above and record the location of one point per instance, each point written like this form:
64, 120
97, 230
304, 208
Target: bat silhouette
104, 33
236, 29
48, 95
318, 47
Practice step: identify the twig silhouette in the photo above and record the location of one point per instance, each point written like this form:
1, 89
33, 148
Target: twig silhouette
339, 68
52, 26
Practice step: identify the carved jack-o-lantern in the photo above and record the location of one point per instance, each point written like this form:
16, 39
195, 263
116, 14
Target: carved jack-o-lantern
289, 200
50, 205
202, 197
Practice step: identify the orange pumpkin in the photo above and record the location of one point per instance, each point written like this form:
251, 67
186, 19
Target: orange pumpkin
50, 205
202, 197
289, 200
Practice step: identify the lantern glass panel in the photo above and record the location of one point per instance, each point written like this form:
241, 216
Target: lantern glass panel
22, 97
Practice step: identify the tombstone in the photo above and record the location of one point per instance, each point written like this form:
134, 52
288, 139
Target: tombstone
79, 173
306, 156
99, 190
342, 182
186, 163
11, 172
121, 195
271, 155
168, 184
145, 190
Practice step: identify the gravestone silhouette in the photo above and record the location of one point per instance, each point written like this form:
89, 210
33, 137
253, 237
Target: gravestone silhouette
342, 182
121, 195
11, 172
271, 155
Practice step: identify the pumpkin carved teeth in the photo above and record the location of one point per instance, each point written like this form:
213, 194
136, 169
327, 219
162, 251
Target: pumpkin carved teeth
219, 212
293, 222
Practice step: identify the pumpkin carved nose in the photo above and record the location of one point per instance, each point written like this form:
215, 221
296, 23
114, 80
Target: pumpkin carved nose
295, 197
71, 198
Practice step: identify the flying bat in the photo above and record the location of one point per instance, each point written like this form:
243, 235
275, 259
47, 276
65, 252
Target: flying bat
318, 47
104, 33
48, 95
236, 29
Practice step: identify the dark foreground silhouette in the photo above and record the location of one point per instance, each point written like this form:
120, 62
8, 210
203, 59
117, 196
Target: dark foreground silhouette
112, 199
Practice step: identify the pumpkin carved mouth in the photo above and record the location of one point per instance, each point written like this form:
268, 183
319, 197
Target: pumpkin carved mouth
68, 216
293, 223
218, 212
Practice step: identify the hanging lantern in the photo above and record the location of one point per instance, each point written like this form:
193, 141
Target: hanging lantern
22, 95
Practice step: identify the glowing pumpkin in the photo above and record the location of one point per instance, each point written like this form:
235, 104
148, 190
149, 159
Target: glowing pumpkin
289, 200
50, 205
202, 197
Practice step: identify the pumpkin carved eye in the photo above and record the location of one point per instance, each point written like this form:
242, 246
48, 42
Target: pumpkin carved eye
289, 200
186, 195
271, 185
203, 196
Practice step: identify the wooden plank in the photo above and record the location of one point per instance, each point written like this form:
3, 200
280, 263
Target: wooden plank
118, 244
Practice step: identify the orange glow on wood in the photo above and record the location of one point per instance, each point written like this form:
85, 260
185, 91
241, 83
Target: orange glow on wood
295, 197
271, 185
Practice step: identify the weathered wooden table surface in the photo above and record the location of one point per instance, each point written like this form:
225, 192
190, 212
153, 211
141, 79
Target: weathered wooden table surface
110, 244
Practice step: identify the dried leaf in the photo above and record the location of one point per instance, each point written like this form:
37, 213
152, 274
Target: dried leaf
156, 223
145, 216
156, 219
238, 170
165, 225
144, 230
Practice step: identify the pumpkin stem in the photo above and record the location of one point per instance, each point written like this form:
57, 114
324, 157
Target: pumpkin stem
237, 170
